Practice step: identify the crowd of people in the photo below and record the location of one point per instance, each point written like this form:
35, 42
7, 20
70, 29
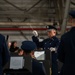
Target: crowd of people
62, 50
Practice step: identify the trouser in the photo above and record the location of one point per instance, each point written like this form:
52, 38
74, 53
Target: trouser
54, 64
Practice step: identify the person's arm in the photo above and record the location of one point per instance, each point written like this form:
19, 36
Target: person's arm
38, 43
36, 40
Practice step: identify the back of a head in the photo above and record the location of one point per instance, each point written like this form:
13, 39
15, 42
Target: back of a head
72, 13
28, 46
72, 17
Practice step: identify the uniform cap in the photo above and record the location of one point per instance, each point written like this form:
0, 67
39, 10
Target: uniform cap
72, 13
28, 46
49, 27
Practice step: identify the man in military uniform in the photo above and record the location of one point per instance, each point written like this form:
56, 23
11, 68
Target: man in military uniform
50, 43
66, 49
37, 68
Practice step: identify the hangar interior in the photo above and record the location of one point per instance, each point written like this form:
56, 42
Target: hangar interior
18, 18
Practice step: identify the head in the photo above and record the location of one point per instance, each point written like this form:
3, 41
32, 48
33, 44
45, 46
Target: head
28, 47
51, 31
20, 52
72, 17
14, 44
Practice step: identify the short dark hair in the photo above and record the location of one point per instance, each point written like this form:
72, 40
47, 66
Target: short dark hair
72, 13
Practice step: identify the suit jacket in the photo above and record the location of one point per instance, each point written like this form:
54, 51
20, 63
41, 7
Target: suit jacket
4, 54
66, 52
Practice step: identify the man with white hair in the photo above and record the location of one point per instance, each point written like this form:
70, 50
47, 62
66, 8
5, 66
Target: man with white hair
51, 43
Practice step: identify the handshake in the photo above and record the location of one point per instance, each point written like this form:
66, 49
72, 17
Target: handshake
53, 49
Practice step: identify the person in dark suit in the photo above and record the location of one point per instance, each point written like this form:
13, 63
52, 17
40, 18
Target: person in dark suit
51, 43
4, 54
66, 49
37, 68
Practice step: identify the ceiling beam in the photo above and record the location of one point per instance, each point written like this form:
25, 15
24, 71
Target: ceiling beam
61, 10
24, 23
43, 16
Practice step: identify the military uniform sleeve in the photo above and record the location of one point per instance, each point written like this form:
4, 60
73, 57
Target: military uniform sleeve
36, 40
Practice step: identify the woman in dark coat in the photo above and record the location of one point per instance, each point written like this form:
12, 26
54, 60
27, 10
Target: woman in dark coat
13, 47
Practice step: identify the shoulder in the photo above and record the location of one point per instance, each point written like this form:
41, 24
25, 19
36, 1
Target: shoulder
65, 35
55, 38
2, 37
45, 40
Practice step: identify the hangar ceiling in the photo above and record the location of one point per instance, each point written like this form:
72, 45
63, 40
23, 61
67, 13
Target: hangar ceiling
18, 13
32, 10
24, 10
